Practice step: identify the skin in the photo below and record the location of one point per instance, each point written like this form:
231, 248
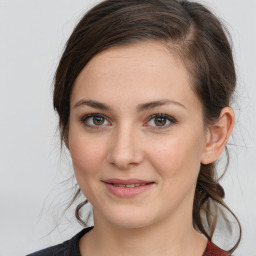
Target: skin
128, 144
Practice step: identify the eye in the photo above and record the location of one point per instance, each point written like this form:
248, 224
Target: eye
94, 121
157, 121
161, 121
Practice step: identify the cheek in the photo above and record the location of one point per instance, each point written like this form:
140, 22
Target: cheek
86, 153
178, 157
87, 156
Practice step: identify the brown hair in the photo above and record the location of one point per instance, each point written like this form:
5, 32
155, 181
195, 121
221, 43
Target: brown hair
187, 28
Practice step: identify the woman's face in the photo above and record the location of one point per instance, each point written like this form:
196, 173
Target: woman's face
134, 119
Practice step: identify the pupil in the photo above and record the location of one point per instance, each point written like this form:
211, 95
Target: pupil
160, 120
98, 120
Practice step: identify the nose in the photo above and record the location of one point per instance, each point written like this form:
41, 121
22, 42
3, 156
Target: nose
125, 150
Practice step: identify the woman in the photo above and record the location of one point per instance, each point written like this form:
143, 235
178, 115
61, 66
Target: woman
143, 91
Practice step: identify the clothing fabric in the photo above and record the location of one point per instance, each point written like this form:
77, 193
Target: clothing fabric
71, 248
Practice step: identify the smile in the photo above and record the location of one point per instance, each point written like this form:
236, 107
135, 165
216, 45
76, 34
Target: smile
128, 190
129, 185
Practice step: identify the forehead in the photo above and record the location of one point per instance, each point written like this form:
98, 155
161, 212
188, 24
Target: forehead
145, 70
147, 57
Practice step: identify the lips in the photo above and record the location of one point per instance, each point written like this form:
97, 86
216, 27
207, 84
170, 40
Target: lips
127, 182
127, 188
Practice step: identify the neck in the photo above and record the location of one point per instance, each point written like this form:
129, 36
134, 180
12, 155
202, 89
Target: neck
171, 237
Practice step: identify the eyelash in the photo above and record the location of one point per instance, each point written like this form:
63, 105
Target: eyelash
161, 115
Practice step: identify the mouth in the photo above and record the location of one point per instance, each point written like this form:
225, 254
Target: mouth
129, 185
127, 181
127, 188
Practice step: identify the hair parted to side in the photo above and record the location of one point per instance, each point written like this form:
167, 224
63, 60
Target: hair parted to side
187, 29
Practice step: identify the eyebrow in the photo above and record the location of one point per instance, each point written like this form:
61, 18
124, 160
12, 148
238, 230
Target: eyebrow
140, 108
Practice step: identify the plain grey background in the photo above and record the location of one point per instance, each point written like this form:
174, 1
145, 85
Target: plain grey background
32, 170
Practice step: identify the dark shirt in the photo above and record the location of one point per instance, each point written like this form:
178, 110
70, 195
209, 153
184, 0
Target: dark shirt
71, 248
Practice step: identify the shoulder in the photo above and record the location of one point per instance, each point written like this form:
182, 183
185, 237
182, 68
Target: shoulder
67, 248
57, 250
213, 250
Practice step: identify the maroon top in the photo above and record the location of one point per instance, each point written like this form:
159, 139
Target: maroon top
71, 248
214, 250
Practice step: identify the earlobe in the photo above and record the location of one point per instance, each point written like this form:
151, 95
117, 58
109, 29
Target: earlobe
217, 136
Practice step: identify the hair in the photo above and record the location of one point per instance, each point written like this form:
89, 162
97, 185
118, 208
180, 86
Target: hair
187, 29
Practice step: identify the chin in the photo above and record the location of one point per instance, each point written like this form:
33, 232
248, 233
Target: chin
130, 219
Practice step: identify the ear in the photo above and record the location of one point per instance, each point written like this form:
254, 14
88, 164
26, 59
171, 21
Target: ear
217, 136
